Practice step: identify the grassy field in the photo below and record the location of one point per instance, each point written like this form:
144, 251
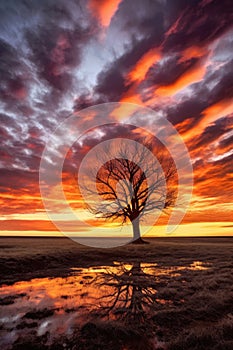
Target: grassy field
176, 294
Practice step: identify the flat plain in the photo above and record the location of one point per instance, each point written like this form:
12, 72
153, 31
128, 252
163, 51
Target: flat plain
173, 293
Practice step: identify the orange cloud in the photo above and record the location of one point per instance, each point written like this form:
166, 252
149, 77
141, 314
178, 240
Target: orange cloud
193, 75
223, 150
16, 202
193, 52
124, 111
216, 111
104, 10
27, 225
138, 73
209, 115
131, 96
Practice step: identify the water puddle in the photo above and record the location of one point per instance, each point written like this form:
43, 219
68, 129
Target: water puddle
58, 305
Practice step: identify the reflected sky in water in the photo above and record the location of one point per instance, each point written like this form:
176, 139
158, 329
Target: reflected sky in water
58, 305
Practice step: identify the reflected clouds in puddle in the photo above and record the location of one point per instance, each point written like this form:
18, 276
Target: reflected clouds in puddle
57, 305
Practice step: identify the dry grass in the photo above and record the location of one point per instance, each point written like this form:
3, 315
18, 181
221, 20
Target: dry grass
198, 313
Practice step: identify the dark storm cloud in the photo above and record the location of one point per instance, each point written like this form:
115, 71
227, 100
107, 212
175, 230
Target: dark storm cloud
199, 24
41, 48
83, 101
8, 123
41, 44
226, 143
175, 26
55, 51
107, 88
143, 23
168, 71
204, 95
24, 154
14, 75
145, 18
19, 179
175, 8
116, 71
224, 86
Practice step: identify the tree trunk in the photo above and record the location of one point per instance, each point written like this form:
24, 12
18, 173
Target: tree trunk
136, 233
136, 229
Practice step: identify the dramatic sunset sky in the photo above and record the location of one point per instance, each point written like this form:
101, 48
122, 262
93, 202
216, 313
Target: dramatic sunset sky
173, 56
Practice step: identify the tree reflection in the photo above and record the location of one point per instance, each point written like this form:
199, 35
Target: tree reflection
131, 293
123, 316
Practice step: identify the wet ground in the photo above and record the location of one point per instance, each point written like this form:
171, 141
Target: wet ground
161, 296
56, 306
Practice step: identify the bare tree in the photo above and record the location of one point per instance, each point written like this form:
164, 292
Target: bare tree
132, 183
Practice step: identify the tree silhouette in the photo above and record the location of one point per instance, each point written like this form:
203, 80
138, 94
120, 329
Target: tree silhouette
132, 183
